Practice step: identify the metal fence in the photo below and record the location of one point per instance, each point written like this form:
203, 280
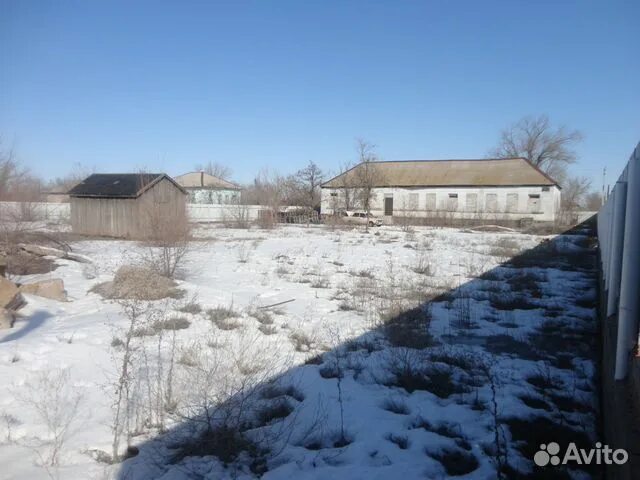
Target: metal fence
619, 238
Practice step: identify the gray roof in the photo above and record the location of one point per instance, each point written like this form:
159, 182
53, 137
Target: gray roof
205, 180
446, 173
118, 185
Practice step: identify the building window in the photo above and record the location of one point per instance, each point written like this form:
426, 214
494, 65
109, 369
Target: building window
512, 202
413, 201
491, 202
333, 194
545, 189
431, 201
452, 204
471, 202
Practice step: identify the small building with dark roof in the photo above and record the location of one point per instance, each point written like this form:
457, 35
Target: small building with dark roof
125, 205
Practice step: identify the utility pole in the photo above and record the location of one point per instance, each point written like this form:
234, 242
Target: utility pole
604, 189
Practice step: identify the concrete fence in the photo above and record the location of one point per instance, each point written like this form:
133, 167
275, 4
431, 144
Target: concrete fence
60, 212
619, 238
34, 211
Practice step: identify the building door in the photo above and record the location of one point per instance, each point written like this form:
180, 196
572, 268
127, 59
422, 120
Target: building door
533, 204
388, 206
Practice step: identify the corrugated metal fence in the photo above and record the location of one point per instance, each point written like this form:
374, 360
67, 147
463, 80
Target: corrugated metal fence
619, 238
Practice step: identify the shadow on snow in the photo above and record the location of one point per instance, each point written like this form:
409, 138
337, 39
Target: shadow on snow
531, 318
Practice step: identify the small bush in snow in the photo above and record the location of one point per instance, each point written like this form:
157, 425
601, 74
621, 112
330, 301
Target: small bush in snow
224, 317
364, 273
302, 342
402, 441
456, 462
177, 323
396, 405
262, 316
268, 329
224, 442
423, 265
278, 410
320, 282
410, 328
274, 391
191, 307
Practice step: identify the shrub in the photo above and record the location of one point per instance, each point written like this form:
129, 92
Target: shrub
262, 316
410, 328
330, 371
456, 462
302, 342
437, 380
177, 323
268, 329
402, 441
397, 406
365, 273
280, 409
320, 282
191, 307
224, 442
224, 317
274, 391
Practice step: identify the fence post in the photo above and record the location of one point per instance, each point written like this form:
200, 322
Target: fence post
630, 278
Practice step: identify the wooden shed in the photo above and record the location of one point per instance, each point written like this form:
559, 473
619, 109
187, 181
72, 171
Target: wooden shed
126, 205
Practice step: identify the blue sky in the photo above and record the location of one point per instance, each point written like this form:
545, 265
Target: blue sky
118, 86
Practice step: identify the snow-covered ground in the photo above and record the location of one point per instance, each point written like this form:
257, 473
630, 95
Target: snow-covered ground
390, 354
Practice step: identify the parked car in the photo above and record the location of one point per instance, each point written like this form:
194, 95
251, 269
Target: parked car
360, 218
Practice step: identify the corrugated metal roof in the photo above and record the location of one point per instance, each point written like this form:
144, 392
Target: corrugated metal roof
204, 180
118, 185
434, 173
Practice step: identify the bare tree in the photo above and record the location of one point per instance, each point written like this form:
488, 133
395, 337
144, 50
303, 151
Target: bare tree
77, 174
574, 191
345, 185
16, 182
216, 169
166, 230
57, 404
308, 180
270, 190
367, 176
593, 201
534, 138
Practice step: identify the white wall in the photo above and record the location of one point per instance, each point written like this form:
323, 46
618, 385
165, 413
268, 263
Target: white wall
60, 212
619, 241
209, 196
549, 202
55, 212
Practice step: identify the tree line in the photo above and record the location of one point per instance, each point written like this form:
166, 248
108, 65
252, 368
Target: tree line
550, 148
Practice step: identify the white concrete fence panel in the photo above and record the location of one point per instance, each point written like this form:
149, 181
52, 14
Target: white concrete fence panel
619, 237
60, 212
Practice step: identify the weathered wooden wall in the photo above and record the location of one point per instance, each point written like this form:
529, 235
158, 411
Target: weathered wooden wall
126, 217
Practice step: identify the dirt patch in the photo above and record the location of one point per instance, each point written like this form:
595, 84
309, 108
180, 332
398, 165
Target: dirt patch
24, 263
137, 283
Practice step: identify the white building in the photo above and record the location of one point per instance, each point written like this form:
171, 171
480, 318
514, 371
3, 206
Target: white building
207, 189
500, 189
